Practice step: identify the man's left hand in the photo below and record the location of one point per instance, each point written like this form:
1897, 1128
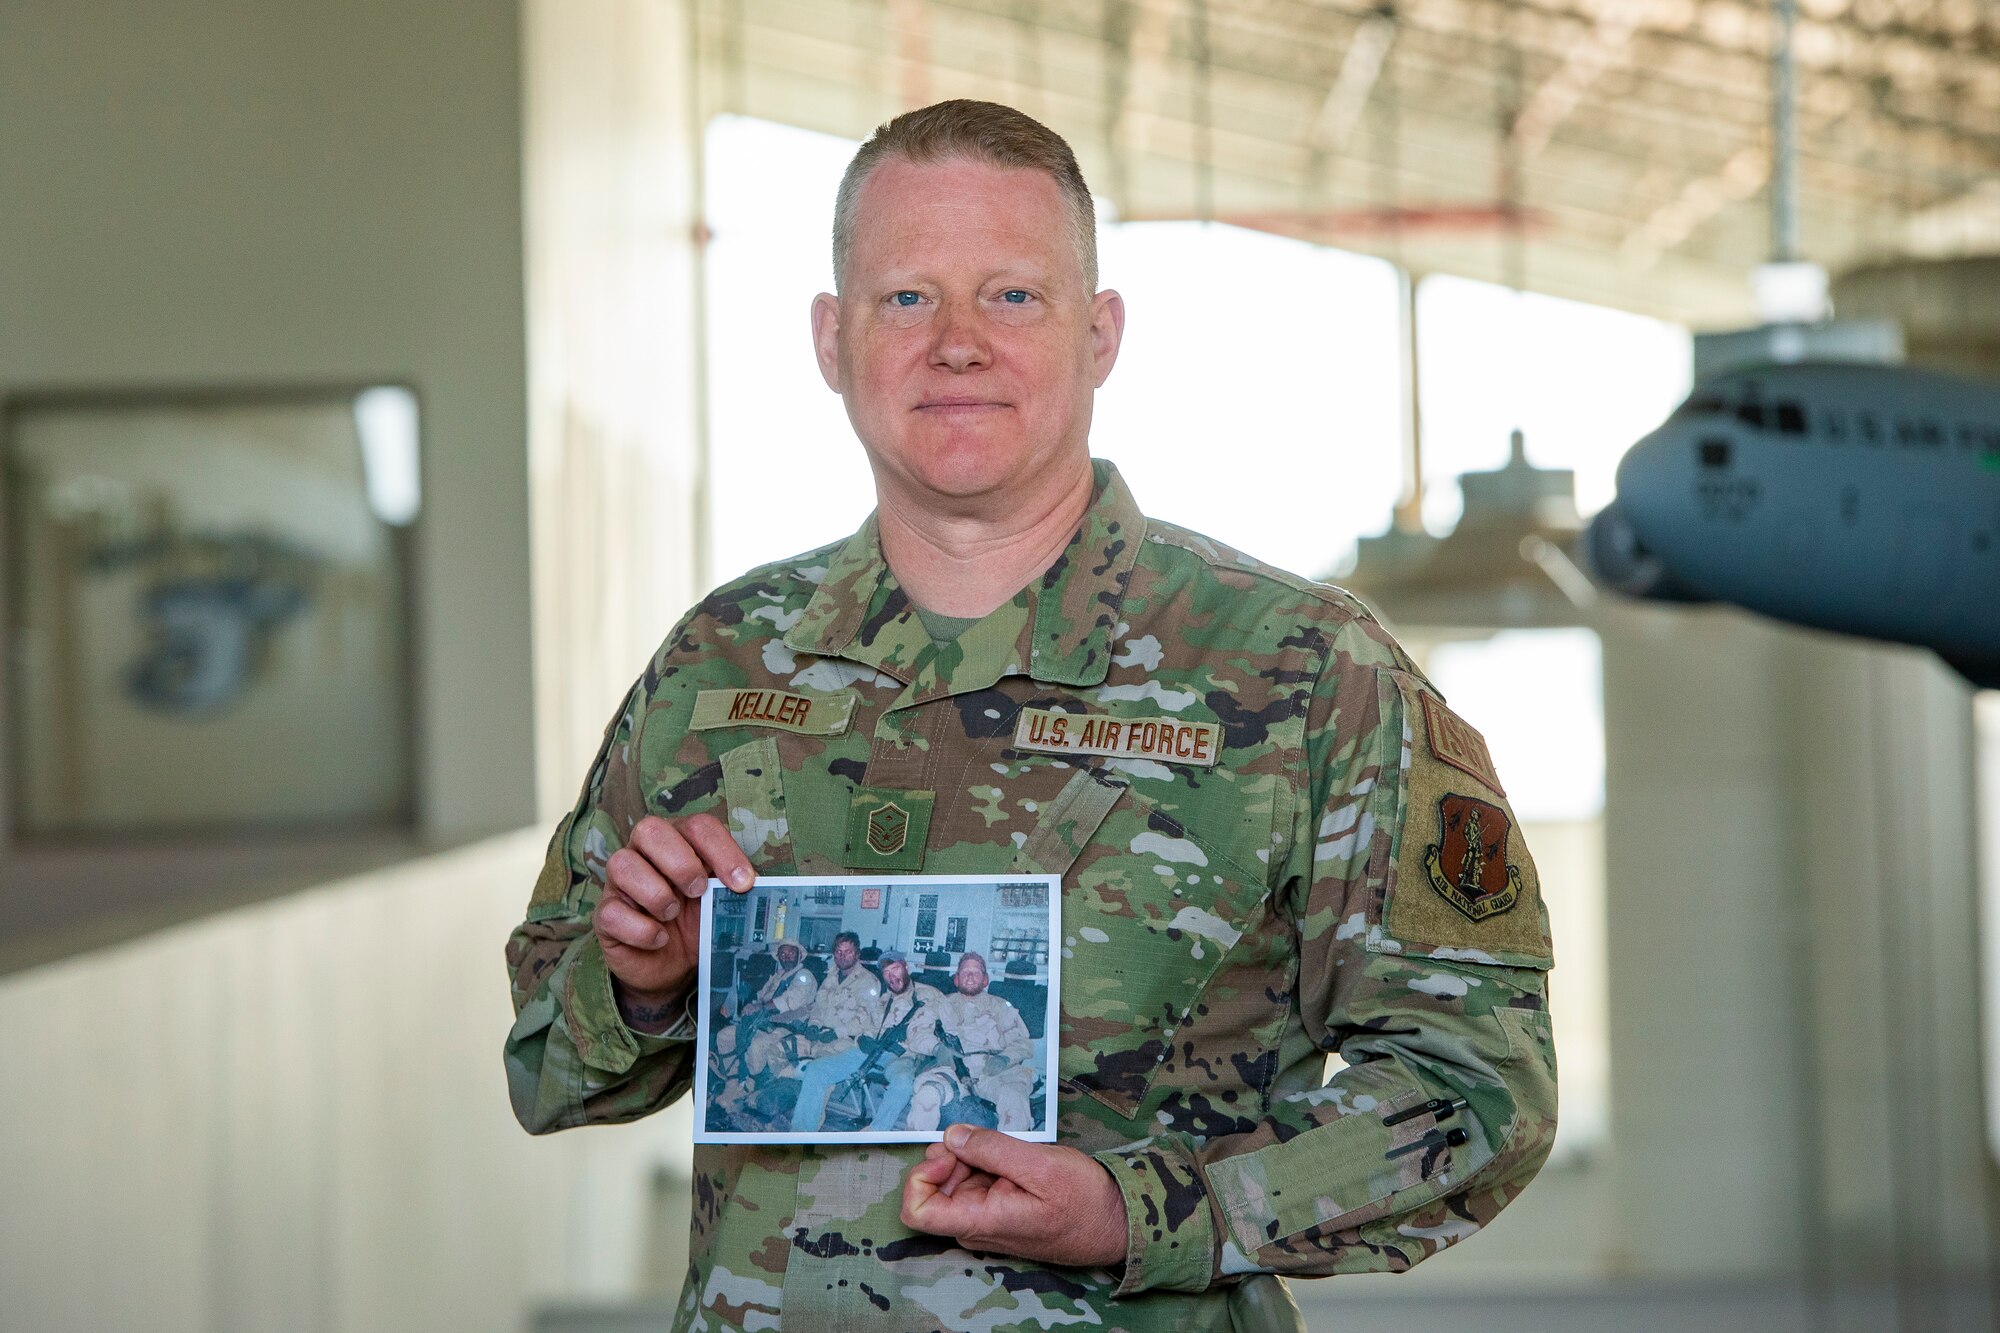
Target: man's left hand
996, 1194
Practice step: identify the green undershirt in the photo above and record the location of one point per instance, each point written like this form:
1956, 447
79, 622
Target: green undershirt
944, 629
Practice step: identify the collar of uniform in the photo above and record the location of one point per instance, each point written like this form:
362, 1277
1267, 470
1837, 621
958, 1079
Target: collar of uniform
860, 612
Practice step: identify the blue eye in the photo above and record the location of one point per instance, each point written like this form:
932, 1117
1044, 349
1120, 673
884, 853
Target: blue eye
1014, 296
907, 298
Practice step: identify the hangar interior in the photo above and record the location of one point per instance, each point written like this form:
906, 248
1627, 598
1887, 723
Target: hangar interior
255, 1079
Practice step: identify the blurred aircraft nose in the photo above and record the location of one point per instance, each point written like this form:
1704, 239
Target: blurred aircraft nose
1652, 481
1651, 487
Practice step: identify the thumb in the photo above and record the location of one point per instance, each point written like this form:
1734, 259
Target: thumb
993, 1152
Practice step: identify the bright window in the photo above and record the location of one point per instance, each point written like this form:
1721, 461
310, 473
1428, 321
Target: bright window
785, 472
1583, 383
1257, 396
1291, 454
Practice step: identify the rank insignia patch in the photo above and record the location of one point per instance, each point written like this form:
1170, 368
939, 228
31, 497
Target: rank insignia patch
888, 828
1457, 744
1468, 865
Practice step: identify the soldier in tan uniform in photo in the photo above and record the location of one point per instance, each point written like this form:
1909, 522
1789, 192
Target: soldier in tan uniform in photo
993, 1042
899, 1000
848, 1003
788, 990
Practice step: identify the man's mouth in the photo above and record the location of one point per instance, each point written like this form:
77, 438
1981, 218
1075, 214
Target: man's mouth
955, 405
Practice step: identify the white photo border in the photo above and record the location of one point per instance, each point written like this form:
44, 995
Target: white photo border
1051, 1023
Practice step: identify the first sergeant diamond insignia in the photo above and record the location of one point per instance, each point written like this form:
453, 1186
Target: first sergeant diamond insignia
888, 828
1468, 865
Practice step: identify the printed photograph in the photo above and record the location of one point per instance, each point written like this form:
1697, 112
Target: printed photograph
885, 1009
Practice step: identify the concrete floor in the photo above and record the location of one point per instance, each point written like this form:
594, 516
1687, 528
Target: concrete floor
1651, 1307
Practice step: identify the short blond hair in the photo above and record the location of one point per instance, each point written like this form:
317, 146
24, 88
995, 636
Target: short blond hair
985, 132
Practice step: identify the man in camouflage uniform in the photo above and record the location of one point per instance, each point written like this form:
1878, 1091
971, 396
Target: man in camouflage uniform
992, 1041
1262, 815
899, 998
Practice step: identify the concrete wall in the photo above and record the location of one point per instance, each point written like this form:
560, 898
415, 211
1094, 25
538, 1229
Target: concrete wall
616, 375
1703, 908
293, 1116
212, 194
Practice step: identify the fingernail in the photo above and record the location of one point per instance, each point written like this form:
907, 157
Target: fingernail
659, 938
955, 1137
946, 1191
739, 879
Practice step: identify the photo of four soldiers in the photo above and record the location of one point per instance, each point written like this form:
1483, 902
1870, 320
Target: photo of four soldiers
837, 1043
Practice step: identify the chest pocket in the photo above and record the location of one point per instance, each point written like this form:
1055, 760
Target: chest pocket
753, 799
1149, 915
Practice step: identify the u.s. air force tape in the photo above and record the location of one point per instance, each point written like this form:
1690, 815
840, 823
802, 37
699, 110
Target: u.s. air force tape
1164, 739
787, 710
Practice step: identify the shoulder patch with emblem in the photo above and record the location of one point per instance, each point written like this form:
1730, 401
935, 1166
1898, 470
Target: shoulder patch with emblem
1464, 884
1468, 864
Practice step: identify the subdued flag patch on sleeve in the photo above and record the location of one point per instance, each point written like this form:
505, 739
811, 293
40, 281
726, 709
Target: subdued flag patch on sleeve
1464, 881
1454, 742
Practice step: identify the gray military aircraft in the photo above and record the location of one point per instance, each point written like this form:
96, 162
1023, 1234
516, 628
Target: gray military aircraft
1858, 498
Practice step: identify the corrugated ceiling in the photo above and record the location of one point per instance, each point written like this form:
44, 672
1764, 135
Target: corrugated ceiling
1638, 130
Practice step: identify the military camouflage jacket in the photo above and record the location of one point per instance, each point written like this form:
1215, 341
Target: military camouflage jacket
1275, 842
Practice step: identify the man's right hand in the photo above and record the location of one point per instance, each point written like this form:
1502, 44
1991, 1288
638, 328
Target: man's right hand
647, 920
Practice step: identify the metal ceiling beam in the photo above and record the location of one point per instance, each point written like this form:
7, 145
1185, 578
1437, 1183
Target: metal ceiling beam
1359, 69
1674, 84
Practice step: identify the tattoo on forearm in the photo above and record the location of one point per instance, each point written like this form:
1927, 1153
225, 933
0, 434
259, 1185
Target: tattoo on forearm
649, 1017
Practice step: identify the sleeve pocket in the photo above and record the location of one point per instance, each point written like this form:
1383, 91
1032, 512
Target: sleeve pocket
753, 798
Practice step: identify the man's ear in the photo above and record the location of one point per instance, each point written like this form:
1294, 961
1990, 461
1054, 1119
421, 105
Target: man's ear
826, 338
1107, 331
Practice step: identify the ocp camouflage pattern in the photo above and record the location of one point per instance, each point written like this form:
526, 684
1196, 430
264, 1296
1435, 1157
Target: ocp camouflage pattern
1224, 928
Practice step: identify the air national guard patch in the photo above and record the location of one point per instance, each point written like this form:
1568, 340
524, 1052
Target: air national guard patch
1464, 882
1470, 866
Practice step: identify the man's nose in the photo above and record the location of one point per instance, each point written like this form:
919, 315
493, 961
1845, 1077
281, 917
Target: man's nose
960, 343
